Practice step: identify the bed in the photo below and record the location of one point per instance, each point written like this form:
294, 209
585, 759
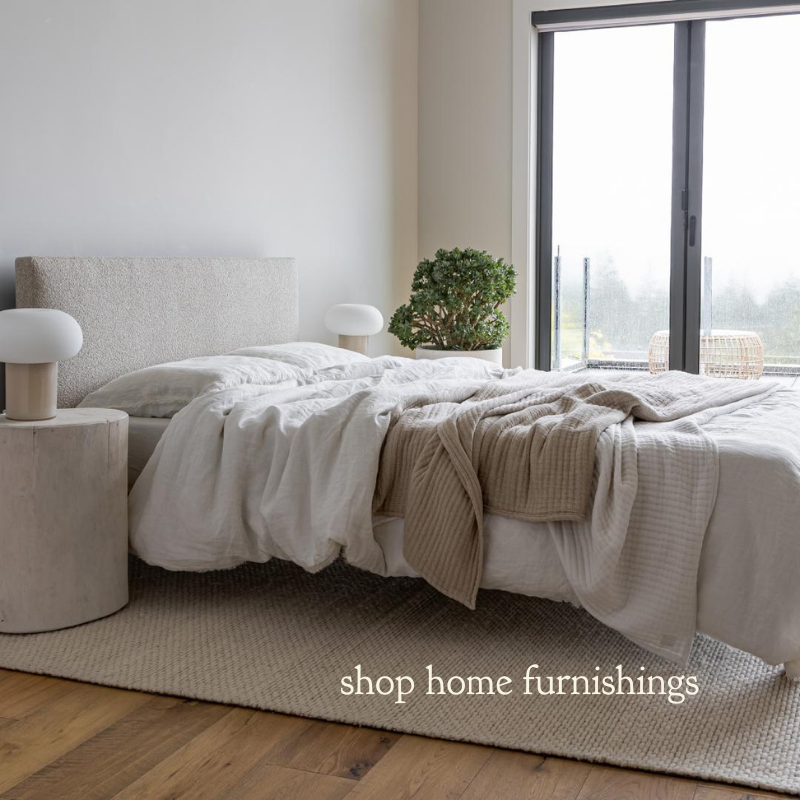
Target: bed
139, 312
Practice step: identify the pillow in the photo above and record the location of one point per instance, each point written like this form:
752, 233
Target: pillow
164, 389
305, 355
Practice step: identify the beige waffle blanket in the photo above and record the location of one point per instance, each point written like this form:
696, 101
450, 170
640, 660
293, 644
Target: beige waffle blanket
523, 447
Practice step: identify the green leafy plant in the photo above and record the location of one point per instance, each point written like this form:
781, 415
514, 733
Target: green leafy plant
455, 302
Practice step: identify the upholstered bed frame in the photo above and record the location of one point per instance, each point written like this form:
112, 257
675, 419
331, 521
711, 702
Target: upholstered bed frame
136, 312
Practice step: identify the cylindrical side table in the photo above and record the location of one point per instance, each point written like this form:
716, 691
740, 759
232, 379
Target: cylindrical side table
63, 519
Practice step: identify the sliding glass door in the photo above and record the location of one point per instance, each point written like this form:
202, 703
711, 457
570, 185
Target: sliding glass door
751, 196
667, 201
612, 184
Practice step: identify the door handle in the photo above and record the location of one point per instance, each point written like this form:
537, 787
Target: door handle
692, 230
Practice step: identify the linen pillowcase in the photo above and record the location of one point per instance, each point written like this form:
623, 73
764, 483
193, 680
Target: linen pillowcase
164, 389
305, 355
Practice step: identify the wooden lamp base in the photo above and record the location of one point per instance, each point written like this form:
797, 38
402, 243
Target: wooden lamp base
31, 391
358, 344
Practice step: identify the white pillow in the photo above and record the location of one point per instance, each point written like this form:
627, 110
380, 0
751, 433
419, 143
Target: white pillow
306, 355
164, 389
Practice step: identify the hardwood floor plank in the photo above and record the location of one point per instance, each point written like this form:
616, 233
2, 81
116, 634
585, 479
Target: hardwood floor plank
268, 782
722, 791
73, 741
216, 761
611, 783
425, 769
119, 755
524, 776
22, 693
53, 730
333, 749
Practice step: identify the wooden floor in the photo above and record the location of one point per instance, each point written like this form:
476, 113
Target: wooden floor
62, 740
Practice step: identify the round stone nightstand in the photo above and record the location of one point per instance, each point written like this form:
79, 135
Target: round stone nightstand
63, 519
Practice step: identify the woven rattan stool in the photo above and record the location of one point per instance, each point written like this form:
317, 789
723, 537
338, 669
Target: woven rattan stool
723, 354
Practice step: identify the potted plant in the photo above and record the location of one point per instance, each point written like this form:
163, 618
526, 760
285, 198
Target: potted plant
454, 309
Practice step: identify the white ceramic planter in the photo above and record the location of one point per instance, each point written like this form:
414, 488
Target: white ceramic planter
495, 356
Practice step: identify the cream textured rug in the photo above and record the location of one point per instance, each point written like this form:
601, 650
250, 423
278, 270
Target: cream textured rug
273, 637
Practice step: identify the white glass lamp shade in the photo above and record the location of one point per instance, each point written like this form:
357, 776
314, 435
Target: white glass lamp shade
354, 319
38, 336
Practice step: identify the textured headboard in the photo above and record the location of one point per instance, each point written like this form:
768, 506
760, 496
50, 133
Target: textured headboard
136, 312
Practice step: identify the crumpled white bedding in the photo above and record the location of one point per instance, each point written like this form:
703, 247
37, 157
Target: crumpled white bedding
252, 472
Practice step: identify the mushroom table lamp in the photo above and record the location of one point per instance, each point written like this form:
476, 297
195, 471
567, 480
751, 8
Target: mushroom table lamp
354, 323
32, 342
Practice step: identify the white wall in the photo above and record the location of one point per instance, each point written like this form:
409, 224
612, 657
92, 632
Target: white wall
215, 127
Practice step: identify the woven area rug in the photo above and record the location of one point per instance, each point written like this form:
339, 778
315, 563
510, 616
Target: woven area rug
273, 637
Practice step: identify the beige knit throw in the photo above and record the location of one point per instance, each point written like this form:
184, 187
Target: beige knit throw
523, 448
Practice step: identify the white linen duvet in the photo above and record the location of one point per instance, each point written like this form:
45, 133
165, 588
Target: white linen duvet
256, 470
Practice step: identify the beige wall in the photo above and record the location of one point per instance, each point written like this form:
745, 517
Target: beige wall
215, 127
465, 118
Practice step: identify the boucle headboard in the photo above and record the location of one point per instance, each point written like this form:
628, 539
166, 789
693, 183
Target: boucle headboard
136, 312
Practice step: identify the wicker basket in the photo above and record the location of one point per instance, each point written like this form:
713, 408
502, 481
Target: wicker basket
723, 354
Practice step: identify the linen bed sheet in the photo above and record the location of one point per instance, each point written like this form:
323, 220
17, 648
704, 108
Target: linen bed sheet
143, 436
748, 593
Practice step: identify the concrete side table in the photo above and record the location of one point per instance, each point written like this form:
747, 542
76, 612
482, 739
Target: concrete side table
63, 519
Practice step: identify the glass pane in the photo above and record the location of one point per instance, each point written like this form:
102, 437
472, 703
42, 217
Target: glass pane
751, 200
612, 185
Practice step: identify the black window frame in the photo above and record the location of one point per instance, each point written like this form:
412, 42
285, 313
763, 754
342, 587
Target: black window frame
687, 155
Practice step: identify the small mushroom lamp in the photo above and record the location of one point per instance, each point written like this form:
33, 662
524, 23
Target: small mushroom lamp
354, 323
32, 342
